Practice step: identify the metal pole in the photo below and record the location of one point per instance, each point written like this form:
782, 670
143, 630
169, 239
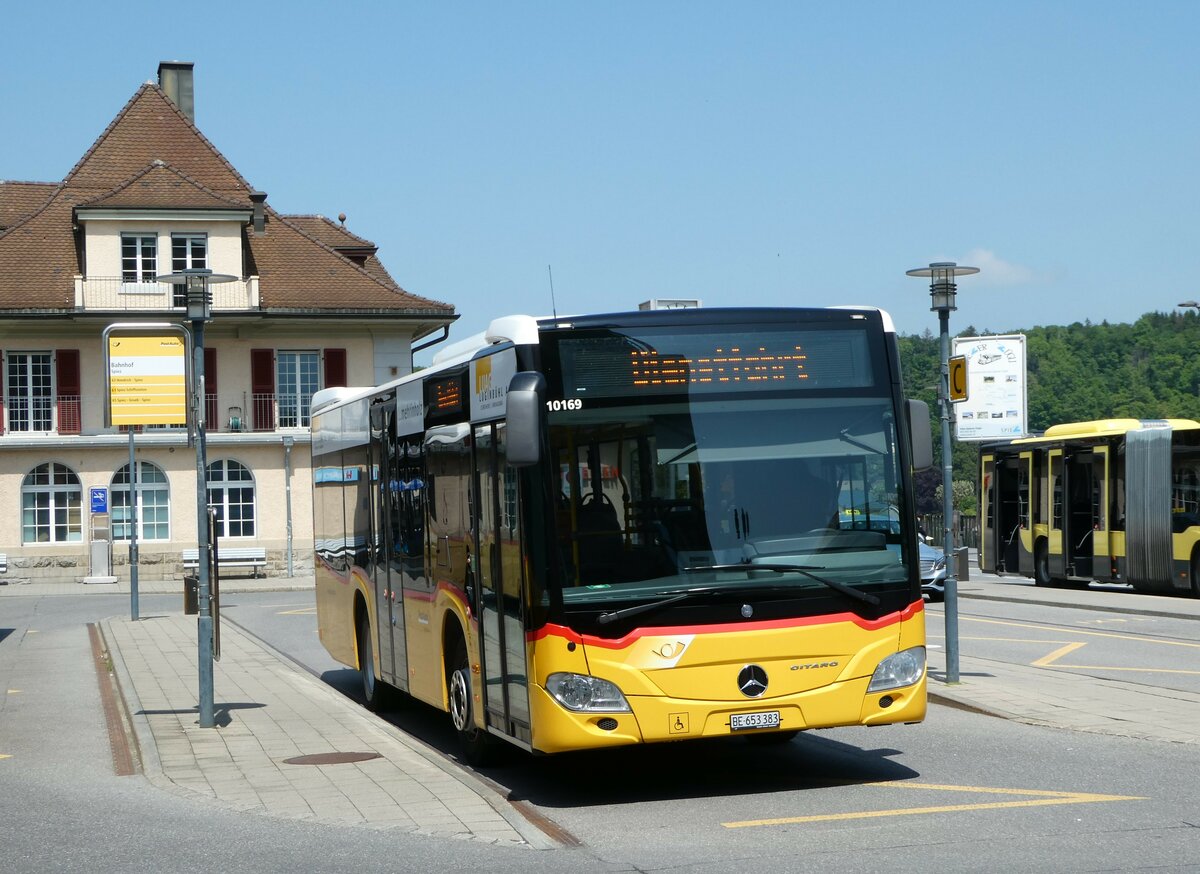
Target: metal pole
133, 531
287, 489
204, 621
951, 585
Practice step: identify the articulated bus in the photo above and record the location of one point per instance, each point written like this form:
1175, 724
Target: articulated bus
1116, 500
585, 532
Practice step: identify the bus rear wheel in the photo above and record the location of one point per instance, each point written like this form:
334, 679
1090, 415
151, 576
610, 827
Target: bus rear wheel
1196, 574
476, 745
1041, 565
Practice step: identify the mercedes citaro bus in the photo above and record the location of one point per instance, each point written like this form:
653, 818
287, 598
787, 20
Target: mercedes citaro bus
584, 532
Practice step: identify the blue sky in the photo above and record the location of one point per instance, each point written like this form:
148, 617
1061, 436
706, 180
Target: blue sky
766, 153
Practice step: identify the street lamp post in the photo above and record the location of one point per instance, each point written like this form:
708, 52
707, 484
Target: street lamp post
942, 290
199, 312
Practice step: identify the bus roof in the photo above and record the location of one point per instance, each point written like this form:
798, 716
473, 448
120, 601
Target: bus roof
1104, 428
523, 330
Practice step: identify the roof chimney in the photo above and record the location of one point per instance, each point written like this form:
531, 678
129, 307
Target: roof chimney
175, 79
259, 218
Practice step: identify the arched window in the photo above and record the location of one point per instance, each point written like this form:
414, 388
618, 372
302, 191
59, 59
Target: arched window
153, 503
51, 505
231, 497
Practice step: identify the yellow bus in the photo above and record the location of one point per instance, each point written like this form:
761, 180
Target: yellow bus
1115, 500
585, 532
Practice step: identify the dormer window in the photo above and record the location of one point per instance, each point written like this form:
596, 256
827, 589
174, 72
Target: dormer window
189, 252
139, 258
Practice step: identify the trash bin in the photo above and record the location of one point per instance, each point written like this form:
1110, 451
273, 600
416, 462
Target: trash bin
191, 595
962, 565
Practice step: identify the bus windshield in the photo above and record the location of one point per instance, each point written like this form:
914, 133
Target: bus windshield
794, 485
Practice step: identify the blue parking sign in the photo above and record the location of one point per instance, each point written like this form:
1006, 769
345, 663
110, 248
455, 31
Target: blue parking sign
99, 499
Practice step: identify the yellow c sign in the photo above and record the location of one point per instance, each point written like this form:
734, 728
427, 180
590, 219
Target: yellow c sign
958, 378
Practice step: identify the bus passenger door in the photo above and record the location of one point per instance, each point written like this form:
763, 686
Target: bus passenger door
1008, 513
988, 551
380, 547
501, 581
1058, 543
1079, 518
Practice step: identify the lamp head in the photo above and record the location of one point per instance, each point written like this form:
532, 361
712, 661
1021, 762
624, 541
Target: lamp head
942, 288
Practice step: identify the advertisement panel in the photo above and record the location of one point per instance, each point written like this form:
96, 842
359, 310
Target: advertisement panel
995, 407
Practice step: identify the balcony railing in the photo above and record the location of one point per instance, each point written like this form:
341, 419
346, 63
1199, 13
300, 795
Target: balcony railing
224, 414
114, 293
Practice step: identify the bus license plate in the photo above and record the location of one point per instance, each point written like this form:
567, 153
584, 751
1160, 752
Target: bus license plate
762, 719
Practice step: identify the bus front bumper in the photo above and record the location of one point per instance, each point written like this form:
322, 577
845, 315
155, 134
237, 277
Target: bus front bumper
661, 719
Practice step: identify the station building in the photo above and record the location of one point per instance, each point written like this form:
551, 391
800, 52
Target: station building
310, 306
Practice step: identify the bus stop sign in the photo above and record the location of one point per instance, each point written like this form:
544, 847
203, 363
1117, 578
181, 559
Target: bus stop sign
958, 378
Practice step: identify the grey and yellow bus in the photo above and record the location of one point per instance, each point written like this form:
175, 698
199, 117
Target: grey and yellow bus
1115, 500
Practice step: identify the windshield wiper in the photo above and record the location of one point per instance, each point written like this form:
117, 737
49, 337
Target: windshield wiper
806, 570
606, 618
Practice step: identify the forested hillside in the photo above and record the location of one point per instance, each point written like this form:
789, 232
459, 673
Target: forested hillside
1147, 370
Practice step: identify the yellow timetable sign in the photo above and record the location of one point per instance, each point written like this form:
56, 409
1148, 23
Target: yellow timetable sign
147, 380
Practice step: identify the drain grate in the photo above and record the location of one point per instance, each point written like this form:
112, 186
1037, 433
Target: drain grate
331, 758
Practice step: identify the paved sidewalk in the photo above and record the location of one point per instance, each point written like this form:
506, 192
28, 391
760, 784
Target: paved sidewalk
269, 711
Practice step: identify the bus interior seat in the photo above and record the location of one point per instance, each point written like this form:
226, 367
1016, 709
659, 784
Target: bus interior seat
599, 536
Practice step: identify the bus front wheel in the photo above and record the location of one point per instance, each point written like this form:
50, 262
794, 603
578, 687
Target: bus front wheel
476, 745
1041, 565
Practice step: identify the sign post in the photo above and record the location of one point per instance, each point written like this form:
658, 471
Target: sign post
147, 385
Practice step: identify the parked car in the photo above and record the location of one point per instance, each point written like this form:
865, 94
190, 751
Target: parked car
933, 572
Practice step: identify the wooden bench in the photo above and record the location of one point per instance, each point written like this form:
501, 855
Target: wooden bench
253, 557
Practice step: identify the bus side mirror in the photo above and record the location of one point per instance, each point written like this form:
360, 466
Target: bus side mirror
524, 418
921, 435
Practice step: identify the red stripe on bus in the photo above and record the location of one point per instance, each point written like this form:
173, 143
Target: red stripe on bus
571, 636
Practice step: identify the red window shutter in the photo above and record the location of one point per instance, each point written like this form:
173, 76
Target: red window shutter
210, 389
68, 401
262, 388
335, 368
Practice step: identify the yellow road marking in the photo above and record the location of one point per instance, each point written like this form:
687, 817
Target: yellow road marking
304, 611
1042, 798
1048, 660
5, 756
14, 691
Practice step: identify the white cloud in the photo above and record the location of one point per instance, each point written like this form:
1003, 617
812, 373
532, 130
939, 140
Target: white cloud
994, 270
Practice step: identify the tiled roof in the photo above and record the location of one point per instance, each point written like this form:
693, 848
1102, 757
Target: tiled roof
333, 236
161, 186
150, 127
152, 156
297, 271
21, 199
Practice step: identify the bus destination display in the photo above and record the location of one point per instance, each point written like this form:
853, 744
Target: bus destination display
445, 399
617, 365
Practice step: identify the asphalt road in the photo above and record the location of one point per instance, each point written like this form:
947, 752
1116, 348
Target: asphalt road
957, 793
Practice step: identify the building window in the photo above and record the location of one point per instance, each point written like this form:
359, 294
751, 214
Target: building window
189, 252
30, 391
297, 380
139, 257
51, 505
231, 497
153, 503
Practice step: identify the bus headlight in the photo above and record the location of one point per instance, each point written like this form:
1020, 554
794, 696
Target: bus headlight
899, 669
585, 694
